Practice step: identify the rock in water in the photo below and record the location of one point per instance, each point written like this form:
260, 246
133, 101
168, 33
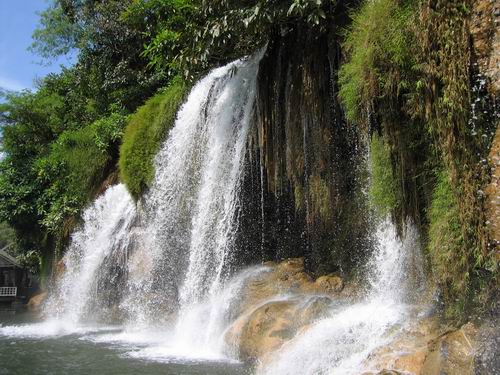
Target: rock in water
35, 302
267, 327
330, 283
277, 305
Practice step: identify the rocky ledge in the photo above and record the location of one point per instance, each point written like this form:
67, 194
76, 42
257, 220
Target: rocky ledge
285, 301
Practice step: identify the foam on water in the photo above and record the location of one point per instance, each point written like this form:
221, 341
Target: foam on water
52, 328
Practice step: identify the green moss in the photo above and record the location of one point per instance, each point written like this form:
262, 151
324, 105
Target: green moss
383, 189
380, 54
298, 196
144, 133
446, 245
320, 197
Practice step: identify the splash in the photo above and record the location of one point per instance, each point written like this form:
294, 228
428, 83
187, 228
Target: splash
165, 267
96, 256
341, 343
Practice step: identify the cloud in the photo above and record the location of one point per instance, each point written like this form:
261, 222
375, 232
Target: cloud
11, 84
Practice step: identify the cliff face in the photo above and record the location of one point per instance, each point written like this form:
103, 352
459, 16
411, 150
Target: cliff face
486, 42
305, 171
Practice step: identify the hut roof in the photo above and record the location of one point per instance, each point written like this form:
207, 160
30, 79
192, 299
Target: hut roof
7, 260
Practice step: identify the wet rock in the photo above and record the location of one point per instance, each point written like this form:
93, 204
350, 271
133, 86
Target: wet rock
288, 277
487, 360
267, 327
35, 303
59, 269
408, 350
452, 353
492, 191
383, 372
278, 304
426, 349
329, 284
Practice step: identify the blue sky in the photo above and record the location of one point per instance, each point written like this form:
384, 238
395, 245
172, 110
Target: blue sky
19, 67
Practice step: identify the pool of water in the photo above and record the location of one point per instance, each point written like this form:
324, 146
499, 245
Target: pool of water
28, 346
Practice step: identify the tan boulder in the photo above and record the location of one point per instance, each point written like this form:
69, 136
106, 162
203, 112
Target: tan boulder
383, 372
452, 353
266, 328
329, 284
267, 319
425, 349
288, 277
408, 351
35, 303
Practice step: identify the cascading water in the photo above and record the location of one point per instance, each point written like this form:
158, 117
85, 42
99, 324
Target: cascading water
341, 343
191, 209
104, 235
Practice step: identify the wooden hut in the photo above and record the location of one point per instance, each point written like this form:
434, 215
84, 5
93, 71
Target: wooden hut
16, 283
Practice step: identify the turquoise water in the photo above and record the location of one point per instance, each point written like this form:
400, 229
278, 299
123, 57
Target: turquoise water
23, 350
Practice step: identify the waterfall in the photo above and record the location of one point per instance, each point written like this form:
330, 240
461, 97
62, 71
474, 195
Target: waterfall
96, 256
341, 343
191, 209
165, 267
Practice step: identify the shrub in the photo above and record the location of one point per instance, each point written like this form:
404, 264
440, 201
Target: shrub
76, 165
144, 133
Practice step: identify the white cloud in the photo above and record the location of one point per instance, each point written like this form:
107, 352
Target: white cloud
11, 84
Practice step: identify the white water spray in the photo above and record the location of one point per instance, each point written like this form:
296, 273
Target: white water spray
178, 297
105, 233
342, 342
191, 212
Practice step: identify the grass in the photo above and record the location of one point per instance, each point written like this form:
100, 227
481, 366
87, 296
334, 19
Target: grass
408, 64
75, 167
143, 135
378, 45
383, 191
446, 244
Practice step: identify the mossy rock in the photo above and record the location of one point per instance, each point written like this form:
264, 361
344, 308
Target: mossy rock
145, 131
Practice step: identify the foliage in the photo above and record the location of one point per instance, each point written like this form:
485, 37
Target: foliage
411, 78
462, 134
221, 30
60, 142
446, 242
381, 58
383, 190
166, 33
57, 35
30, 260
7, 236
52, 162
144, 133
109, 45
74, 168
